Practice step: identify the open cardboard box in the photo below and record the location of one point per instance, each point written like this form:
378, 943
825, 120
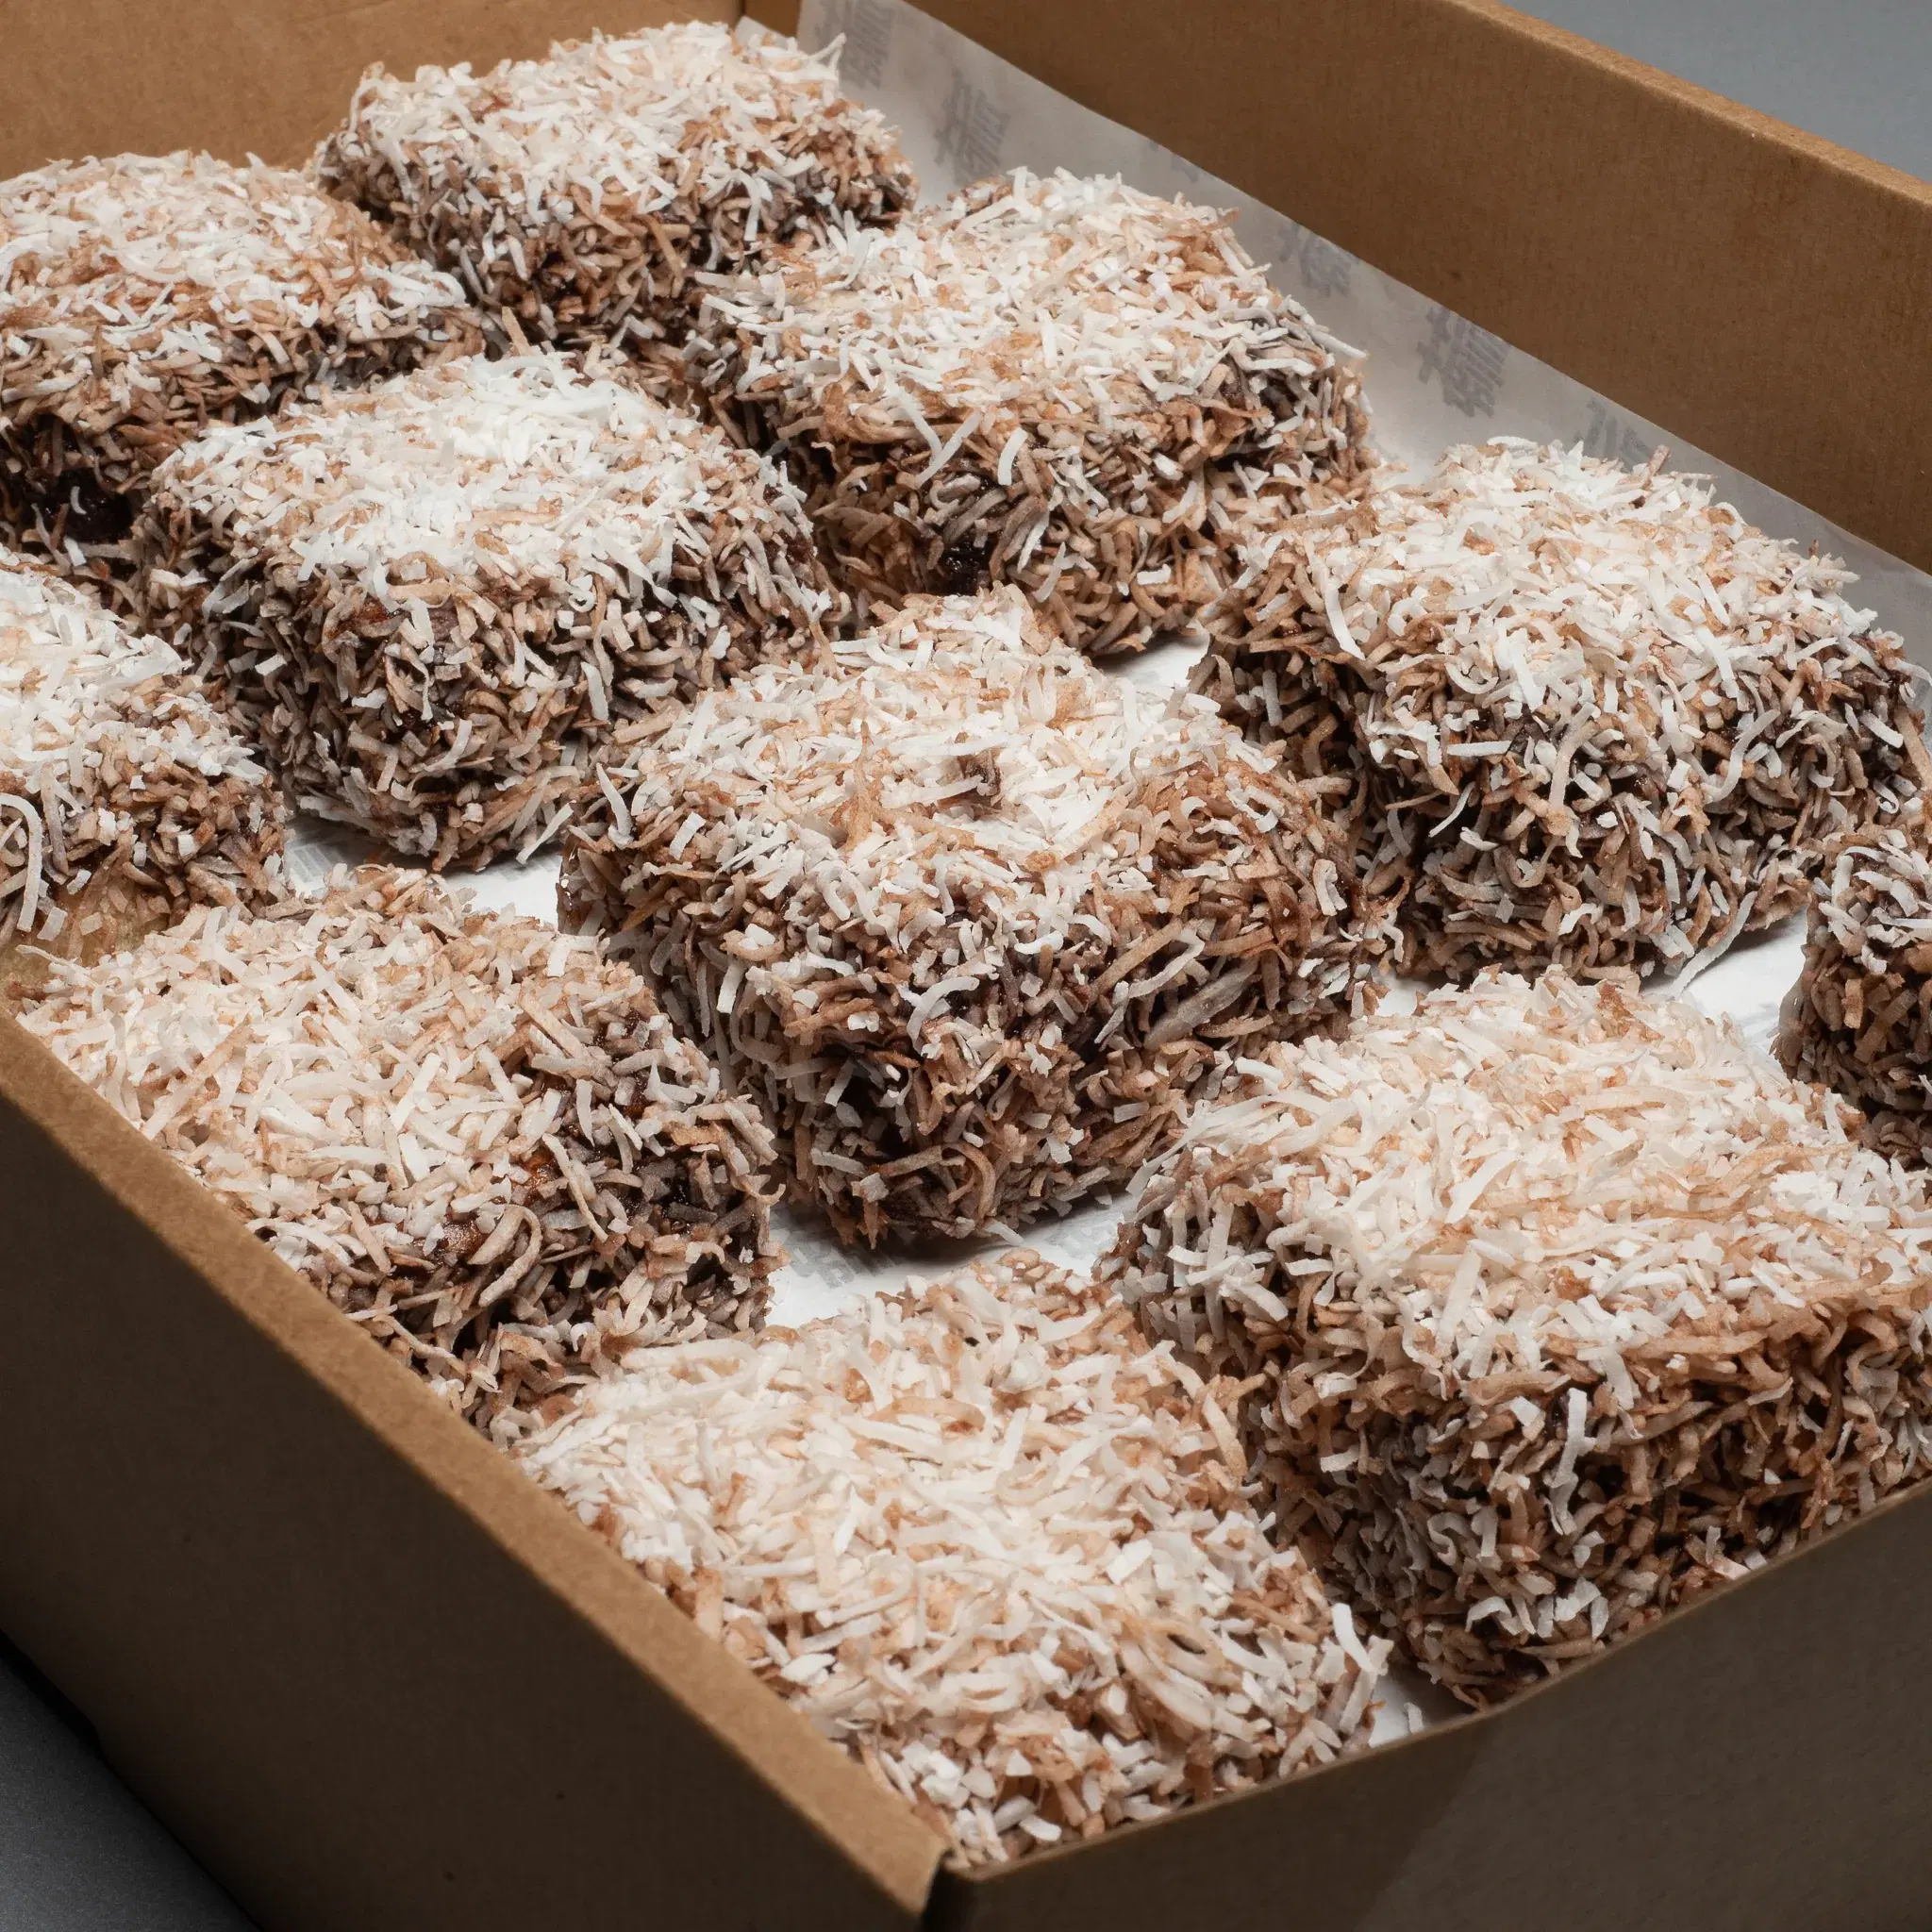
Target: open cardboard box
375, 1678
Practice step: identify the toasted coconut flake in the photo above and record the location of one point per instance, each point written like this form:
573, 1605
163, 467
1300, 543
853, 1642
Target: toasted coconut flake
1587, 716
970, 919
126, 797
427, 599
481, 1138
143, 298
581, 192
986, 1538
1566, 1304
1032, 384
1857, 1019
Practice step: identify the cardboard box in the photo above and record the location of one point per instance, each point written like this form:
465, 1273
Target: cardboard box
375, 1679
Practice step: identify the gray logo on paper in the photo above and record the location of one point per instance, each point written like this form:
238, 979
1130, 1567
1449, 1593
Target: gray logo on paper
972, 129
1322, 268
1614, 438
1467, 361
867, 26
1193, 177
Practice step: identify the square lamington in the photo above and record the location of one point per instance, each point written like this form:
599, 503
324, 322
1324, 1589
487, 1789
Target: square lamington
427, 600
1036, 383
986, 1536
143, 298
1558, 1307
483, 1141
126, 795
1574, 713
578, 196
969, 919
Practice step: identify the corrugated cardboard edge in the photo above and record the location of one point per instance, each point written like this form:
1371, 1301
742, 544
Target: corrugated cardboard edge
1759, 292
237, 1589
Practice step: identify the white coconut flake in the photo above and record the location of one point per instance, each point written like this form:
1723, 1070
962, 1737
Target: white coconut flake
986, 1538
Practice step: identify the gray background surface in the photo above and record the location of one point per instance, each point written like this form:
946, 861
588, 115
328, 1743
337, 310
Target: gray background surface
1858, 72
78, 1851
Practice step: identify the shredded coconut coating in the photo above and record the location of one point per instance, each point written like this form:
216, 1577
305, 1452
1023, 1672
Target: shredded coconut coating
126, 797
1034, 383
1860, 1019
1583, 714
581, 192
1566, 1306
481, 1138
427, 600
143, 298
988, 1539
970, 919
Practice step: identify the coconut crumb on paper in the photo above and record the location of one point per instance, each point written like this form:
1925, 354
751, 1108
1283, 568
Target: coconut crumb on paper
578, 195
428, 599
987, 1538
969, 920
1587, 715
1860, 1019
1566, 1306
481, 1138
143, 298
126, 796
1032, 383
